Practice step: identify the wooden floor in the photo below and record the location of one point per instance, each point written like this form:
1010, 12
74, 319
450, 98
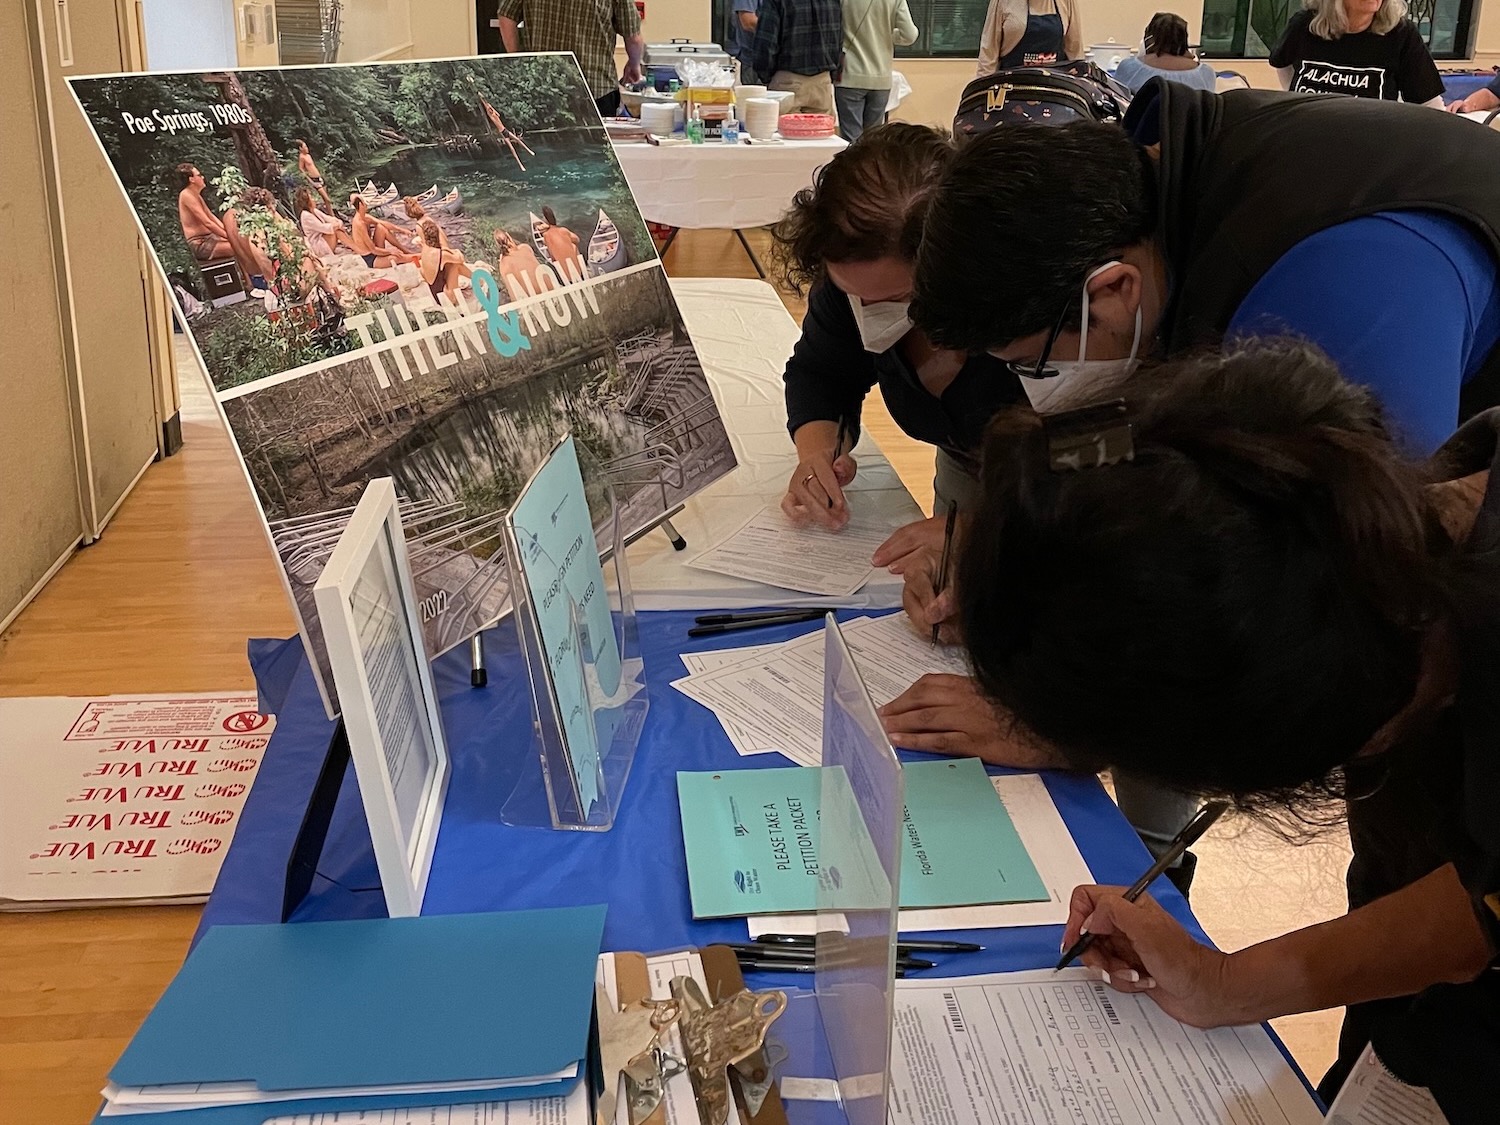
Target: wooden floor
164, 602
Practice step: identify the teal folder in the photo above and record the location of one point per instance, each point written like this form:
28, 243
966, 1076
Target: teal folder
450, 998
752, 840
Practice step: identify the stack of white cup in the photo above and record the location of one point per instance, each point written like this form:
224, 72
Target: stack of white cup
759, 116
659, 117
743, 94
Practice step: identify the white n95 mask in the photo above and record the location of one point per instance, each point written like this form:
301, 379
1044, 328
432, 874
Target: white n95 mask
1081, 379
881, 323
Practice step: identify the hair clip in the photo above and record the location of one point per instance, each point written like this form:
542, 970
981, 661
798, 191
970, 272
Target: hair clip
1089, 437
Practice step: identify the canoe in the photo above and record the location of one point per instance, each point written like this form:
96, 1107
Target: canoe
606, 248
451, 203
430, 194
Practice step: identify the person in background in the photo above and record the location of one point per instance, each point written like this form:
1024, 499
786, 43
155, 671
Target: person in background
562, 248
798, 44
872, 31
1483, 100
416, 213
1165, 54
441, 267
208, 236
1029, 33
588, 30
520, 271
318, 228
744, 16
1366, 48
309, 168
850, 243
1342, 663
375, 240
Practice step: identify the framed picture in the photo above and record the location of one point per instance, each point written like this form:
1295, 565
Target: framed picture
372, 623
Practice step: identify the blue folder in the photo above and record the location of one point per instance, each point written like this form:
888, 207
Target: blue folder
377, 1002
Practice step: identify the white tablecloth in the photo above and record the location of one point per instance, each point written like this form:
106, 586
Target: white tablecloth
744, 335
719, 186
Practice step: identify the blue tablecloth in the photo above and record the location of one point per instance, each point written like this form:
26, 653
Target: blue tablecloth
638, 868
1459, 84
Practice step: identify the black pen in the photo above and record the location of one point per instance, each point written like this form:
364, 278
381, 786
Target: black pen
754, 623
805, 955
749, 615
942, 575
913, 945
755, 965
1202, 821
846, 428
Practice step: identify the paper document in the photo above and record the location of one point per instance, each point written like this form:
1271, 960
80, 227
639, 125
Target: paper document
769, 548
1039, 1046
1048, 842
570, 1110
774, 701
1373, 1096
752, 839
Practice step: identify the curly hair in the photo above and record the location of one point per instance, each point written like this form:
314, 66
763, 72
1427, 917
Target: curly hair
867, 203
1236, 610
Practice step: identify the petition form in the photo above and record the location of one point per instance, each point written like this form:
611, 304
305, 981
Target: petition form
1044, 1048
769, 548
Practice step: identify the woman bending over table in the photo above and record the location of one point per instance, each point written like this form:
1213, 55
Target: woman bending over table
1267, 601
849, 242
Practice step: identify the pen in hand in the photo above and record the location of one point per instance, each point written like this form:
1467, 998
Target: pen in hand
846, 428
941, 582
1202, 821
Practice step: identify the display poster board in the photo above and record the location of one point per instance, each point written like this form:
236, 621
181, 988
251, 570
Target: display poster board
421, 270
373, 629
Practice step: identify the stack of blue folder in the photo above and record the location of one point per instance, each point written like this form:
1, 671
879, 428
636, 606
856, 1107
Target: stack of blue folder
265, 1022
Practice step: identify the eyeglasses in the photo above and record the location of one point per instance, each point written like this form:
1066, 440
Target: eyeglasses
1039, 369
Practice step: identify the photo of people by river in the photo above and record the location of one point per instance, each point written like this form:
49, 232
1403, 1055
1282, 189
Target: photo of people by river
282, 202
428, 271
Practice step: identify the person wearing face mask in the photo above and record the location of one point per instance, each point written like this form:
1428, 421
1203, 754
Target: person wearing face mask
849, 242
1071, 252
1164, 54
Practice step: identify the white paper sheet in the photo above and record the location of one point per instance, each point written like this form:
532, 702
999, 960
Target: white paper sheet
775, 702
769, 548
570, 1110
1039, 1046
122, 799
1048, 842
1372, 1096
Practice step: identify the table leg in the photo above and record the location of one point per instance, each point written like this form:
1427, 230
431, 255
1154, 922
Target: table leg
667, 245
754, 261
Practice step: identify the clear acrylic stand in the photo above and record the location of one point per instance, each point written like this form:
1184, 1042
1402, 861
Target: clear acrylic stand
842, 1029
578, 764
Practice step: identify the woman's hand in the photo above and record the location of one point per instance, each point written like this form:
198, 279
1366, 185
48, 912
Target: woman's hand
945, 714
921, 601
815, 493
1139, 947
908, 545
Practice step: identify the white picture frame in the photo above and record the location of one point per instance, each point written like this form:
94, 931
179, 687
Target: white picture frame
372, 626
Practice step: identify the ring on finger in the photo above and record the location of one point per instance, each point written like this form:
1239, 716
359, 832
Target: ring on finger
809, 477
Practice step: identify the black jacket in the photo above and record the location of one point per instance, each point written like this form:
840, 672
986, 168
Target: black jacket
1222, 226
830, 373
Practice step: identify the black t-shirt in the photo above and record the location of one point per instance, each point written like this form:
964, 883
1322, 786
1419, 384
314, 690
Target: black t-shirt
1396, 64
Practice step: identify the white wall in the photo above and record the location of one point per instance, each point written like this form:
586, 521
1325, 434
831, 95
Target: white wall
186, 34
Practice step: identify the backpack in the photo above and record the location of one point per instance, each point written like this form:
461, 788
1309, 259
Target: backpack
1042, 95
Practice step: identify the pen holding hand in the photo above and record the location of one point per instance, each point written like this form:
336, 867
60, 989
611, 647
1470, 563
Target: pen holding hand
815, 494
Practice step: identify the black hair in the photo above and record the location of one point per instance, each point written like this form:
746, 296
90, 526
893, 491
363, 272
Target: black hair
866, 203
1022, 215
1167, 34
550, 216
1235, 611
